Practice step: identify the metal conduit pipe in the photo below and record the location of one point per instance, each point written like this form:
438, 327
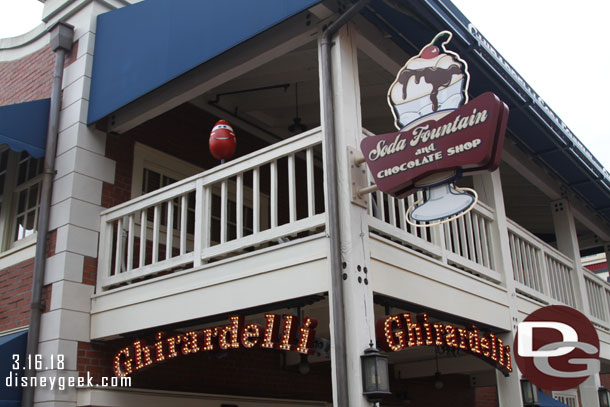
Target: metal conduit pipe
337, 302
61, 44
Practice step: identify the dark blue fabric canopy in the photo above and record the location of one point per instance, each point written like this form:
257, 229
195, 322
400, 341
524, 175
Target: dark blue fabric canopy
23, 126
548, 401
14, 344
145, 45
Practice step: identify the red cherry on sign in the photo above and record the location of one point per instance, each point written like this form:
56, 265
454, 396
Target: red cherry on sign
222, 141
430, 52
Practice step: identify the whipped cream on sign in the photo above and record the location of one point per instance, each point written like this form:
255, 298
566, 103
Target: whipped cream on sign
429, 83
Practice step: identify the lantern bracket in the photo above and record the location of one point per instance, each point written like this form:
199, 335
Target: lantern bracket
358, 179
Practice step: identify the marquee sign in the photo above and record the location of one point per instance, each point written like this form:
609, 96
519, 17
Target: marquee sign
441, 135
402, 331
280, 332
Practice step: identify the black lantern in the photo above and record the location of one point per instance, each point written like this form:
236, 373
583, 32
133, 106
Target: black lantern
529, 393
604, 397
375, 376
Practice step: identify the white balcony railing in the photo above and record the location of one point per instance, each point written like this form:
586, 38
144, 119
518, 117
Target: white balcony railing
228, 210
598, 293
539, 269
236, 208
464, 243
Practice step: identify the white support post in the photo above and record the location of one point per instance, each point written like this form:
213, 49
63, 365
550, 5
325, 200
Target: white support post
239, 206
82, 169
357, 289
273, 193
607, 251
509, 388
567, 243
311, 197
202, 216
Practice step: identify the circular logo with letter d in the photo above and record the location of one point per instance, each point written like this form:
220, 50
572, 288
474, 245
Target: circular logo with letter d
557, 348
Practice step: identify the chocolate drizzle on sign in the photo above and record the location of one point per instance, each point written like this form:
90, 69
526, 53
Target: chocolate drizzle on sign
434, 80
438, 78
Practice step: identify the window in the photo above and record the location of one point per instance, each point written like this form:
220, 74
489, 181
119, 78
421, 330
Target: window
20, 184
569, 397
153, 169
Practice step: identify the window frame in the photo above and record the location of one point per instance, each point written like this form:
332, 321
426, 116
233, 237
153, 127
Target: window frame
571, 394
146, 157
9, 202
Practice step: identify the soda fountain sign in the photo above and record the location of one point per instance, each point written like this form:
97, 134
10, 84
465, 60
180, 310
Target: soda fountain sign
441, 135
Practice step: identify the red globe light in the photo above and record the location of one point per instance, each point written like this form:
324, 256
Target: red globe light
222, 141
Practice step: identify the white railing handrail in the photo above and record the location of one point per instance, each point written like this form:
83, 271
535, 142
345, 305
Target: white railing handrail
150, 234
598, 295
470, 231
485, 210
526, 235
594, 277
226, 170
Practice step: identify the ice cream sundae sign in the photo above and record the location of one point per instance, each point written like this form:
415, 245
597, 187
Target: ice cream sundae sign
441, 135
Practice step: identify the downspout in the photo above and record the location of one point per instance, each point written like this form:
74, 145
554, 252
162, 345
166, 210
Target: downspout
61, 44
336, 262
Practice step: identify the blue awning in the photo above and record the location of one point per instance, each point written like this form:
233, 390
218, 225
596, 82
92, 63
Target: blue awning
23, 126
548, 401
145, 45
14, 344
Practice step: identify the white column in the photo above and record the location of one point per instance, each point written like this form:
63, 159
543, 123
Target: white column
607, 253
489, 186
358, 296
81, 170
567, 243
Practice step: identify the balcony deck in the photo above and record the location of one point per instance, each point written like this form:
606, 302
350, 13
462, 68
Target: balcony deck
255, 228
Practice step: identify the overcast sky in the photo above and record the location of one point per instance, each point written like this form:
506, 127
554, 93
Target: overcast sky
534, 36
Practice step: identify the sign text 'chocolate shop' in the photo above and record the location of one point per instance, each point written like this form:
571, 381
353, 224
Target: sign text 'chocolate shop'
468, 139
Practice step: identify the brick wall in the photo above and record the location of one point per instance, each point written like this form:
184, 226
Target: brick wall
119, 149
420, 391
257, 373
253, 372
15, 295
96, 359
16, 291
605, 380
28, 78
486, 396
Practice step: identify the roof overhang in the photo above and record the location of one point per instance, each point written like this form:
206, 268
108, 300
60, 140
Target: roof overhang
143, 46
